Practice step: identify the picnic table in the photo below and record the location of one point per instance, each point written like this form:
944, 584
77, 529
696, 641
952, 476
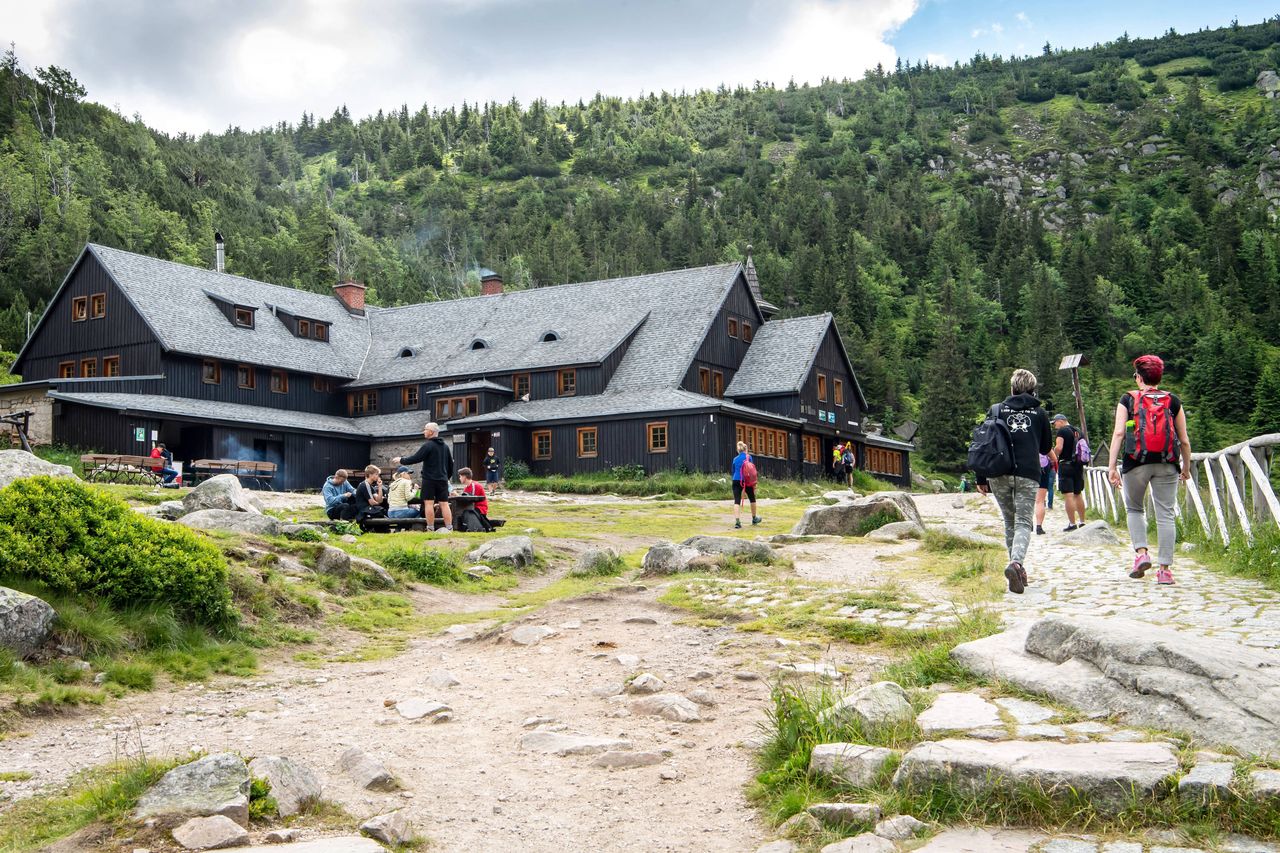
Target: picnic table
261, 473
457, 503
119, 468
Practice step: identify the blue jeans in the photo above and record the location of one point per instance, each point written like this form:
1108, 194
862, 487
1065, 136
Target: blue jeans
407, 512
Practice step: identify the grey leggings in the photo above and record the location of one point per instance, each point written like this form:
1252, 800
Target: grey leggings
1016, 497
1163, 481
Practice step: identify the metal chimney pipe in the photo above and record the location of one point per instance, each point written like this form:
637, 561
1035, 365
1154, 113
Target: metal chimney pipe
219, 253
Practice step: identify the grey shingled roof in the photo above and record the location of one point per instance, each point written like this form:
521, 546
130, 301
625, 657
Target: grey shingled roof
478, 385
780, 357
610, 404
185, 407
666, 313
394, 425
172, 299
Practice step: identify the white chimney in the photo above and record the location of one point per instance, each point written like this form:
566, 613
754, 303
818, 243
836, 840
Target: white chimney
219, 253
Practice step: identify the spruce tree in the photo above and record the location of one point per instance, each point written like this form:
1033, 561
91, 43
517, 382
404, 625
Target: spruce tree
948, 413
1266, 407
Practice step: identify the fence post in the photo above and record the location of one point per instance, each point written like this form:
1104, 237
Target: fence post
1264, 498
1237, 500
1217, 503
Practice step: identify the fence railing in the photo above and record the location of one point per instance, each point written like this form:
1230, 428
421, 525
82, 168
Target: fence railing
1236, 481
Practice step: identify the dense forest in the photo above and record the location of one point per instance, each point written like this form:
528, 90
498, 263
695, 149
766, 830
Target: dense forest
958, 221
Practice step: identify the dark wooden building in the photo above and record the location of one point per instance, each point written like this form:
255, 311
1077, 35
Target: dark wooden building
664, 371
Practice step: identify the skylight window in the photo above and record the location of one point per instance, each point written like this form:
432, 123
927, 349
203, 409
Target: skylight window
407, 352
479, 343
550, 336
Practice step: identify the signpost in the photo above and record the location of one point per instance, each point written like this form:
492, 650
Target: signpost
1074, 363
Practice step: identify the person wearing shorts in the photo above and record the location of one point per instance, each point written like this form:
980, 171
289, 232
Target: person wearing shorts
1070, 472
739, 490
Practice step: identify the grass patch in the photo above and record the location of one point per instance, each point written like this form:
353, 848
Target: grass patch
1259, 559
16, 775
875, 521
944, 542
103, 795
436, 566
672, 483
602, 563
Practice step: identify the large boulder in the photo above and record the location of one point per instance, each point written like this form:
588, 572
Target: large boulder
213, 785
1108, 775
1093, 533
25, 621
294, 785
231, 521
333, 561
852, 764
668, 706
727, 546
221, 492
366, 771
215, 832
392, 828
1268, 83
876, 706
896, 531
16, 464
516, 551
170, 510
374, 575
965, 537
1222, 692
852, 518
668, 558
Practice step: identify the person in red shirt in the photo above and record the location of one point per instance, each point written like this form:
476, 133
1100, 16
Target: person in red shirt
471, 487
165, 468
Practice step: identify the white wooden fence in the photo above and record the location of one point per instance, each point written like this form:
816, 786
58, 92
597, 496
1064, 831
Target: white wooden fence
1236, 481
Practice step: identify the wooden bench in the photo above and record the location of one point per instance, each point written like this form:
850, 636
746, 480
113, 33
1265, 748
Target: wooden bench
261, 473
120, 468
384, 525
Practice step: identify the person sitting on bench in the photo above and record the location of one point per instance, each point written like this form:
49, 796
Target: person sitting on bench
400, 493
338, 495
165, 468
370, 499
480, 508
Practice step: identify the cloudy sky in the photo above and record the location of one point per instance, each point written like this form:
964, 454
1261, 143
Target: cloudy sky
196, 65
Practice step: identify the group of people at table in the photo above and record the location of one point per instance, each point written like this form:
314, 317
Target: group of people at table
403, 498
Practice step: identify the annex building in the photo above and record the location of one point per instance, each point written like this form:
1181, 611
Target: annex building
664, 371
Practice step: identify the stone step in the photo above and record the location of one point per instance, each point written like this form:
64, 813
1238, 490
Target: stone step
340, 844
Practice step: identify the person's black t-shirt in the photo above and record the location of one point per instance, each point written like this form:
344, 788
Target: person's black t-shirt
1029, 429
1127, 463
1068, 454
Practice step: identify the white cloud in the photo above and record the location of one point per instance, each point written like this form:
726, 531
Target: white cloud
938, 59
977, 31
1023, 19
997, 28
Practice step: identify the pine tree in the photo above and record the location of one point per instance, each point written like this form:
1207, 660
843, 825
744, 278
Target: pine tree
1266, 407
948, 411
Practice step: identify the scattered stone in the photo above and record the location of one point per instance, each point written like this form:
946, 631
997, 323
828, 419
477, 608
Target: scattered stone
1122, 847
222, 492
967, 536
392, 828
865, 843
569, 743
668, 558
333, 561
342, 844
782, 846
1040, 730
798, 825
1224, 693
371, 573
517, 551
977, 840
595, 560
1069, 845
25, 621
232, 521
210, 833
1207, 783
727, 546
1125, 736
746, 675
645, 683
900, 828
821, 670
669, 706
417, 709
1107, 774
367, 771
1088, 728
1025, 712
531, 635
16, 464
669, 775
848, 519
172, 510
613, 688
845, 814
442, 679
957, 503
534, 722
348, 538
957, 711
640, 620
282, 836
294, 785
1265, 785
478, 571
896, 531
1268, 83
703, 697
629, 661
1236, 843
213, 785
851, 764
1093, 533
622, 760
877, 705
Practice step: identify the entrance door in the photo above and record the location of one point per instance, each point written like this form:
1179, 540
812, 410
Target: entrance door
477, 450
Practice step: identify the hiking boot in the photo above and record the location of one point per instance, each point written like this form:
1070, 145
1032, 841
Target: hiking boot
445, 529
1069, 528
1039, 530
1141, 562
755, 519
737, 524
1017, 577
1164, 576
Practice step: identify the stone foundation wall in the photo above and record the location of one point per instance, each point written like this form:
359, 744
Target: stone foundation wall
382, 452
34, 400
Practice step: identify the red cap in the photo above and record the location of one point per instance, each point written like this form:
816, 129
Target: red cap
1150, 367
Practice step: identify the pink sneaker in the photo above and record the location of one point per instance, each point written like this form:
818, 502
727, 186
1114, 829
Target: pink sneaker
1141, 562
1164, 576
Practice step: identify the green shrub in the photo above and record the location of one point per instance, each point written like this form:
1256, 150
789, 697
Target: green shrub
515, 471
430, 565
603, 564
77, 541
628, 472
132, 674
262, 806
306, 534
875, 521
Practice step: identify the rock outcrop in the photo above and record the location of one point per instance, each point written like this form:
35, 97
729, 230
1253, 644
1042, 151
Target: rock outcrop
213, 785
727, 546
25, 621
221, 492
294, 785
16, 464
233, 521
851, 518
515, 551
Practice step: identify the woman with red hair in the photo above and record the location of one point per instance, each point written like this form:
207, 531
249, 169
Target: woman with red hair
1152, 425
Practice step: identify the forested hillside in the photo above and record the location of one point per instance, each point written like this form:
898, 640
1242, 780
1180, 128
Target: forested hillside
957, 221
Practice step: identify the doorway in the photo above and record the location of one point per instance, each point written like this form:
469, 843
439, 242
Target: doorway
477, 450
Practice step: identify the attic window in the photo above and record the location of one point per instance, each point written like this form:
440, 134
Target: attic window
407, 352
479, 343
550, 336
244, 317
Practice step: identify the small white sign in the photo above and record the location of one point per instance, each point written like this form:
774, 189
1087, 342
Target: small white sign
155, 435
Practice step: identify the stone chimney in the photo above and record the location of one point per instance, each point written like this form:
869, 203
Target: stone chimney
352, 295
490, 283
219, 253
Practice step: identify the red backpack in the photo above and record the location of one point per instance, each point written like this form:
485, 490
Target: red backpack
749, 474
1151, 437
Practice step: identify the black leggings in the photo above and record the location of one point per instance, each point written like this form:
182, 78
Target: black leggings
738, 489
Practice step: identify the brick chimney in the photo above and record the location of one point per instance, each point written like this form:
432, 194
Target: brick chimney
352, 295
490, 283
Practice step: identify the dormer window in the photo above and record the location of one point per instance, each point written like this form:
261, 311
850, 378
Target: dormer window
244, 317
407, 352
304, 328
479, 343
320, 331
549, 337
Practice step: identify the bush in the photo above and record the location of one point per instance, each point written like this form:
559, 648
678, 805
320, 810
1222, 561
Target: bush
515, 471
603, 564
77, 541
429, 565
628, 472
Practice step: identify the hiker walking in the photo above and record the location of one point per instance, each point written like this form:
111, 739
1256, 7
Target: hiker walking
1044, 494
745, 477
1005, 456
1073, 455
849, 459
1153, 426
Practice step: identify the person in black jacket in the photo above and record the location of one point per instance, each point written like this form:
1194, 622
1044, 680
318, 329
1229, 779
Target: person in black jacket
1015, 493
437, 468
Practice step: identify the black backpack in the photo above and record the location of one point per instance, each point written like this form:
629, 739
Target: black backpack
991, 450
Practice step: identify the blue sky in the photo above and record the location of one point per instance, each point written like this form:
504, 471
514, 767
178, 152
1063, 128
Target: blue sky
195, 65
957, 29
